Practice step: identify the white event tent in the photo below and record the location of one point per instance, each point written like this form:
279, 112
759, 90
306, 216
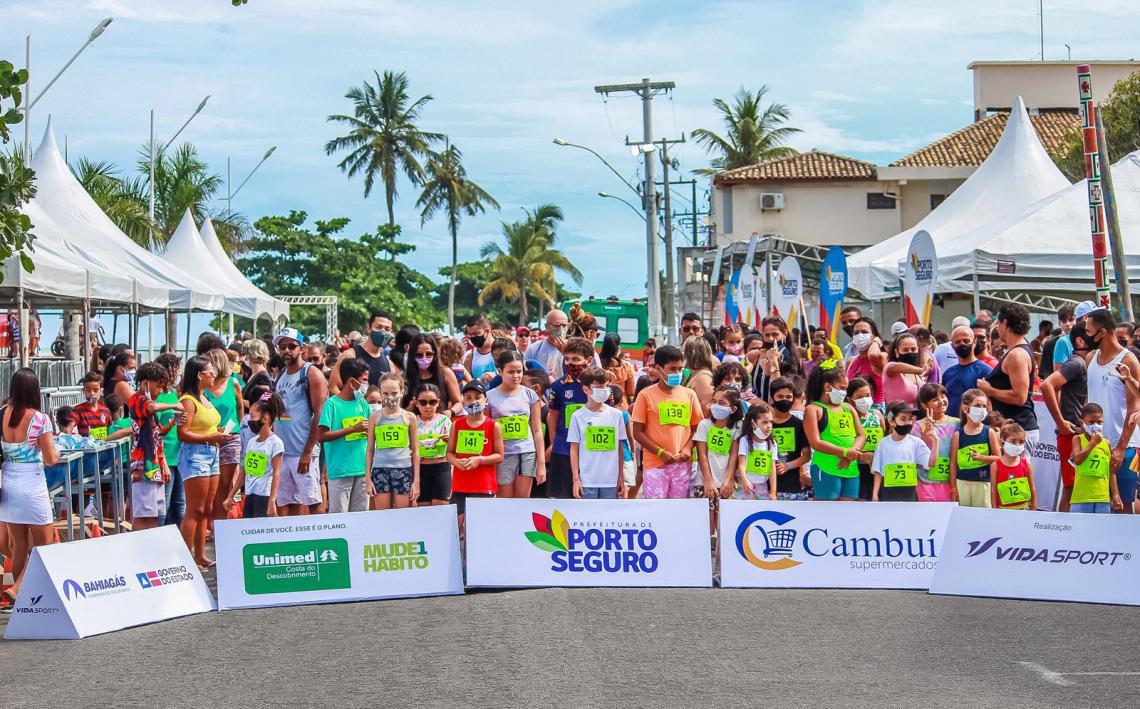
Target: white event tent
1017, 173
264, 304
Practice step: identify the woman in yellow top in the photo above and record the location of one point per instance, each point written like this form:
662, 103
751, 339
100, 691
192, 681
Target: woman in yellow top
198, 456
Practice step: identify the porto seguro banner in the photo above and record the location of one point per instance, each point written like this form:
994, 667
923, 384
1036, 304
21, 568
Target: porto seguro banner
832, 290
920, 273
788, 290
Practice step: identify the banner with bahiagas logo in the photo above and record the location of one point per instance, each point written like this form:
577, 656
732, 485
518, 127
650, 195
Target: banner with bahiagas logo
536, 542
830, 544
281, 561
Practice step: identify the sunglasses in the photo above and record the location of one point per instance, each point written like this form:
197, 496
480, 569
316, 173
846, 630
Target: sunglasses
287, 347
691, 328
428, 402
313, 360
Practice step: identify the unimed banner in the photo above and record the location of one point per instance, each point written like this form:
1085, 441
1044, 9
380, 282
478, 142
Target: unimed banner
535, 542
356, 556
830, 544
1048, 556
94, 586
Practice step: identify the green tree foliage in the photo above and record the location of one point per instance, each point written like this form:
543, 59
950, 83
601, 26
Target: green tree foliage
287, 257
471, 278
16, 179
1120, 114
753, 133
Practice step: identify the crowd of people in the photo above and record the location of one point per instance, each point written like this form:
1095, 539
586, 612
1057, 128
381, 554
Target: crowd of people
394, 418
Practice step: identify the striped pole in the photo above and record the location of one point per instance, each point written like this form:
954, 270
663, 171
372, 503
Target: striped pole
1096, 192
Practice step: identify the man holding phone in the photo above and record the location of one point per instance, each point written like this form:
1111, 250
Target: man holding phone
548, 351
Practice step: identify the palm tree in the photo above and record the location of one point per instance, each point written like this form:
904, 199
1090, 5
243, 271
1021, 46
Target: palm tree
752, 134
448, 190
383, 136
118, 196
528, 261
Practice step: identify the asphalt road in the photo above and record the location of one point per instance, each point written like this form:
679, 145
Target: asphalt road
599, 647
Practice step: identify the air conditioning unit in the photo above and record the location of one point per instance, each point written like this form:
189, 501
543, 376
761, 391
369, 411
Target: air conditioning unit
771, 200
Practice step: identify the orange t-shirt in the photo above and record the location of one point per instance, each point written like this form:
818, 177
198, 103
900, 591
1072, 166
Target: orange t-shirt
680, 408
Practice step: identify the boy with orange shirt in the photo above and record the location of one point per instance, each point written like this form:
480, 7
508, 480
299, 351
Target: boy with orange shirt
664, 418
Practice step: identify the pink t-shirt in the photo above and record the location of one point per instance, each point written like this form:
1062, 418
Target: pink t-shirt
861, 367
899, 387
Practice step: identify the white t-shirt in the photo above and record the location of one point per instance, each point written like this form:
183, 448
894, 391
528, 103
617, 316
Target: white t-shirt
747, 445
264, 452
600, 467
911, 449
548, 356
718, 462
945, 356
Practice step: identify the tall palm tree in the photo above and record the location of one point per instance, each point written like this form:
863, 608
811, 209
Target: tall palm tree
117, 196
383, 136
752, 133
447, 189
528, 263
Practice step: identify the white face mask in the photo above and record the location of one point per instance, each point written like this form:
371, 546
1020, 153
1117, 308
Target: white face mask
762, 430
720, 411
978, 414
837, 396
861, 340
1093, 428
1014, 450
600, 395
863, 404
375, 408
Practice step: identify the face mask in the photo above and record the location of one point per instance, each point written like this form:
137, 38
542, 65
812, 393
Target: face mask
1013, 450
255, 426
1093, 428
721, 412
375, 408
478, 341
734, 385
674, 379
128, 375
734, 349
979, 347
360, 390
849, 329
910, 358
600, 395
783, 405
390, 402
557, 331
978, 414
92, 400
963, 350
863, 404
836, 396
861, 340
424, 362
903, 429
380, 338
762, 430
573, 370
474, 409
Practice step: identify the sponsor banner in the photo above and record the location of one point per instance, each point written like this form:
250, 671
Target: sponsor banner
832, 290
1046, 460
788, 291
919, 274
535, 542
1046, 556
282, 561
830, 544
732, 299
748, 296
715, 277
94, 586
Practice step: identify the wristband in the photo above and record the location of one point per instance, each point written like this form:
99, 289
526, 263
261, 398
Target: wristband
660, 451
844, 454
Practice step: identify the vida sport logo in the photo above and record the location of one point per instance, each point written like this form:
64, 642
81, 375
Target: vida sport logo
289, 567
625, 547
1045, 555
768, 541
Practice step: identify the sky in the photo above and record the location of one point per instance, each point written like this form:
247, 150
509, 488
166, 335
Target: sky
873, 79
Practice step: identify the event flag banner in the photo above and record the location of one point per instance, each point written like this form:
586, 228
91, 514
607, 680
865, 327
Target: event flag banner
788, 291
540, 542
920, 273
355, 556
732, 299
1047, 556
832, 290
82, 588
1046, 460
830, 544
747, 297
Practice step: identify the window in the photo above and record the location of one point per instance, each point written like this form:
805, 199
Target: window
628, 330
878, 200
935, 200
727, 220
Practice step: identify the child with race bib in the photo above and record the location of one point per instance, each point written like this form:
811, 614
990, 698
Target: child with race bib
393, 447
149, 472
474, 449
861, 395
934, 482
432, 431
1011, 475
1094, 485
759, 456
344, 431
519, 413
717, 441
793, 479
596, 435
900, 455
566, 397
972, 449
664, 418
260, 460
834, 433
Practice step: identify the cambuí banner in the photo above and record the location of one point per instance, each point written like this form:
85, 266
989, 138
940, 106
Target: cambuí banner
788, 290
832, 290
94, 586
1049, 556
919, 274
538, 542
830, 544
280, 561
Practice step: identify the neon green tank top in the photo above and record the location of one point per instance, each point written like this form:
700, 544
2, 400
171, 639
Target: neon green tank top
840, 431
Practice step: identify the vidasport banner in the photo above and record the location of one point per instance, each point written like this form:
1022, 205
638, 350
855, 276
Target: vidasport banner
535, 542
830, 544
1047, 556
356, 556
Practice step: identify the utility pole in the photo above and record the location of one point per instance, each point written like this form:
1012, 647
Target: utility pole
670, 277
693, 214
647, 90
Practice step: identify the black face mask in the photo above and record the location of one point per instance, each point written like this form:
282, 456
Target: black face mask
903, 429
911, 358
783, 405
963, 350
478, 341
849, 329
979, 347
255, 426
769, 345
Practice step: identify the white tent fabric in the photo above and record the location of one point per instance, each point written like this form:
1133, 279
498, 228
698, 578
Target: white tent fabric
266, 304
94, 237
1016, 174
1047, 245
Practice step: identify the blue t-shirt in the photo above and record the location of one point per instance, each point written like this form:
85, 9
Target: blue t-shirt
564, 393
1063, 350
626, 454
958, 379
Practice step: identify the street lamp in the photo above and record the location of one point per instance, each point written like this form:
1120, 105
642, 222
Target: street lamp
614, 196
177, 133
95, 33
563, 142
230, 195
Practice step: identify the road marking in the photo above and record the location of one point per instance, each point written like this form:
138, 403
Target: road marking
1058, 678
